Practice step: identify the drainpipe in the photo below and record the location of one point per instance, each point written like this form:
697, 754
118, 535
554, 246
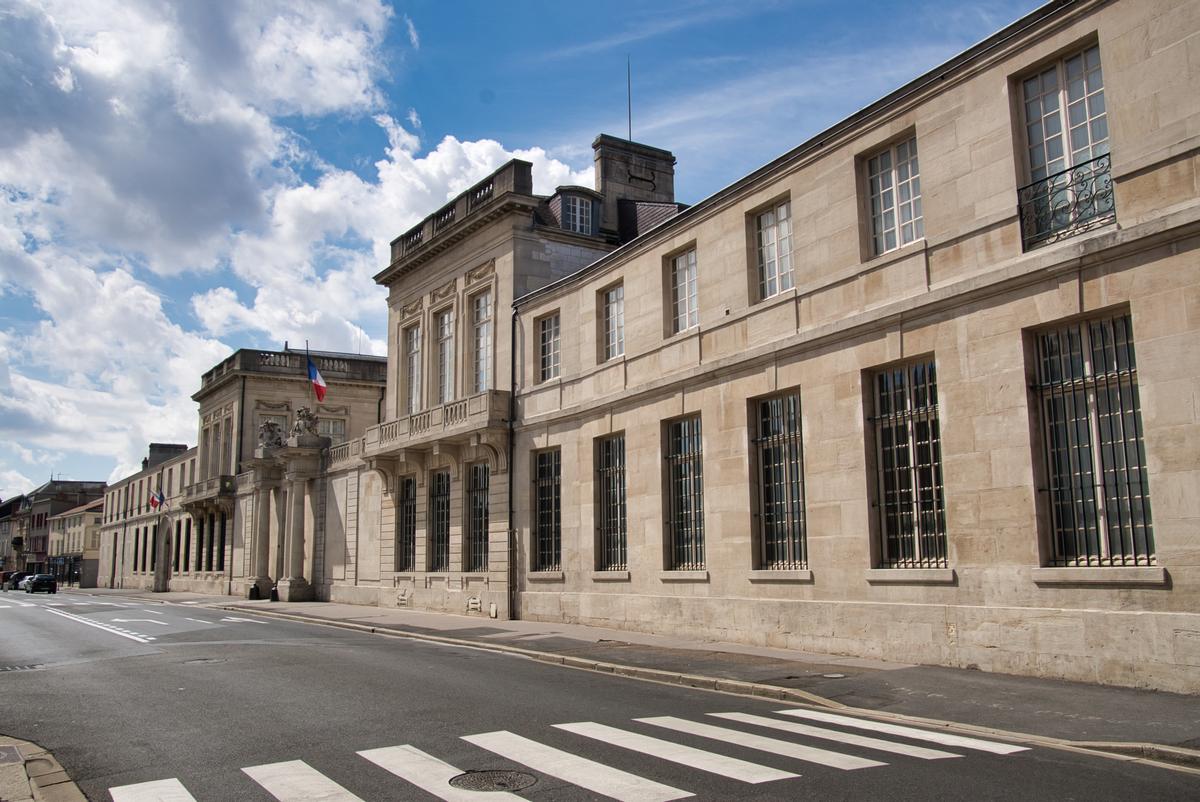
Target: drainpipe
512, 414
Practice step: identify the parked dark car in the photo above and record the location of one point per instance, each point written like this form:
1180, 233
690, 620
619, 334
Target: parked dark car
40, 582
10, 583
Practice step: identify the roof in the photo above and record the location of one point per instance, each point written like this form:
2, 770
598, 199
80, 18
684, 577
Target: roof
95, 504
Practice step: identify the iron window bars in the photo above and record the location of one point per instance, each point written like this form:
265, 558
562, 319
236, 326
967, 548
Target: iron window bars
1098, 491
547, 553
908, 454
780, 450
685, 479
476, 558
610, 478
406, 528
439, 530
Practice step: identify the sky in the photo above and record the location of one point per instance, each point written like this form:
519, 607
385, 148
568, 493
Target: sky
182, 179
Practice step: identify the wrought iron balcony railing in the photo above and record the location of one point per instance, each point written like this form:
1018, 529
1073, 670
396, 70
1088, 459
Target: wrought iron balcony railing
1067, 203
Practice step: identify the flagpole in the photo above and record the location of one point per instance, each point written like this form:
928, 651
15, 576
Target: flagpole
307, 375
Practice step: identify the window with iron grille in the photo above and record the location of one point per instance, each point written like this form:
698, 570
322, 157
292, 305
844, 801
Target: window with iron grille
439, 521
577, 214
894, 178
1098, 493
773, 237
685, 312
685, 489
909, 493
782, 533
406, 525
476, 557
610, 479
481, 318
548, 343
547, 497
1067, 150
412, 369
614, 321
445, 356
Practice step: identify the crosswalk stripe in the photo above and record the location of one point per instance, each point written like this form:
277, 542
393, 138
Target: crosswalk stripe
158, 791
428, 773
812, 754
732, 767
574, 769
944, 738
296, 781
923, 752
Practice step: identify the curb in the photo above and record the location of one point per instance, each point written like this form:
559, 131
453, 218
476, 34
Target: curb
1176, 758
36, 777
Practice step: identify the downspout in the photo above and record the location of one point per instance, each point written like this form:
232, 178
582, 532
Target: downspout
512, 414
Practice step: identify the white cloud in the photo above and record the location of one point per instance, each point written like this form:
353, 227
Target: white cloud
414, 38
15, 483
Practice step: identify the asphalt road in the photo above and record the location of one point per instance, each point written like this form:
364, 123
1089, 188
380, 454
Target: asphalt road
212, 706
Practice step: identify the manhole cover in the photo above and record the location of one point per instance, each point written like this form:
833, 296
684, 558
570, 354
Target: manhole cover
493, 781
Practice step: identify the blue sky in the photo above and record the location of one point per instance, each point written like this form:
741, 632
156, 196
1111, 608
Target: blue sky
179, 180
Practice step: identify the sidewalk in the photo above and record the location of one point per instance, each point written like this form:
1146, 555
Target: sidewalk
1127, 720
29, 773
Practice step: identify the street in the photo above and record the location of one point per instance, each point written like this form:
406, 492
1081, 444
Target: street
141, 700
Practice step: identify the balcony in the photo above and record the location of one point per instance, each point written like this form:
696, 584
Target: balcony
478, 204
1067, 203
208, 489
453, 422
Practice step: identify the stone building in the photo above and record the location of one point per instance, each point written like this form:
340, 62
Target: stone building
416, 511
8, 513
137, 528
75, 544
936, 410
227, 525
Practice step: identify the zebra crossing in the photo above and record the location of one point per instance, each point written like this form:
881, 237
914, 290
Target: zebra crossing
297, 781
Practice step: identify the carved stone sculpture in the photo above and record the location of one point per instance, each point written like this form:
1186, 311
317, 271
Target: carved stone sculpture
270, 434
306, 423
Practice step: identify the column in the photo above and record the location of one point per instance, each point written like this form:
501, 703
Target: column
295, 587
262, 538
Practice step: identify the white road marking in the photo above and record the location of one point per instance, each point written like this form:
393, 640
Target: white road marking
4, 606
243, 620
923, 752
190, 602
775, 746
198, 620
574, 769
97, 625
427, 773
158, 791
677, 753
140, 621
296, 781
944, 738
152, 612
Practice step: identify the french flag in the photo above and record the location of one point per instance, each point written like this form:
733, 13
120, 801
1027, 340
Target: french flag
318, 383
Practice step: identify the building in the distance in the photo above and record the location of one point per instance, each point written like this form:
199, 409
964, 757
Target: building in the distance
8, 512
29, 521
75, 544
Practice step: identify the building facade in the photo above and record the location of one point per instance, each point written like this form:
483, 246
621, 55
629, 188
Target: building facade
27, 521
921, 389
935, 409
75, 544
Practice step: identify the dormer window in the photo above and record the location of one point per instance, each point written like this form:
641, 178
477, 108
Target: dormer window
577, 214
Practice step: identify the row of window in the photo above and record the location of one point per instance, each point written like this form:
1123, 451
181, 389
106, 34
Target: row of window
1095, 493
134, 497
437, 557
444, 364
1066, 130
209, 554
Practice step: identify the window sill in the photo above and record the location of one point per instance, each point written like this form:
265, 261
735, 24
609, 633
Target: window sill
911, 576
545, 576
610, 576
769, 576
683, 576
1152, 575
